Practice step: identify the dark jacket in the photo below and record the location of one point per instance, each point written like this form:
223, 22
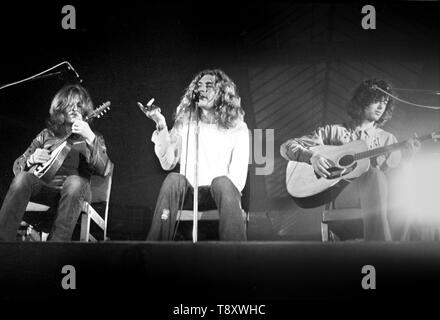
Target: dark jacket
93, 160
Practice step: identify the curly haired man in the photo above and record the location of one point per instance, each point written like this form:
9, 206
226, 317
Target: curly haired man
223, 156
369, 109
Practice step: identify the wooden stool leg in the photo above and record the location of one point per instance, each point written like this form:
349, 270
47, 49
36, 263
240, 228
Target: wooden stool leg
85, 227
324, 232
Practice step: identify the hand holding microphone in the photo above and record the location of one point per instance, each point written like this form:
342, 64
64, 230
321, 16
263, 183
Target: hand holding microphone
153, 112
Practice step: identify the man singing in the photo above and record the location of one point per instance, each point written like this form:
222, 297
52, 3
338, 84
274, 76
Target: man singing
71, 184
223, 155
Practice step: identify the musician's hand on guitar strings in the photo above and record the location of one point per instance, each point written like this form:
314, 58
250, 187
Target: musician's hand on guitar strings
320, 165
39, 156
83, 129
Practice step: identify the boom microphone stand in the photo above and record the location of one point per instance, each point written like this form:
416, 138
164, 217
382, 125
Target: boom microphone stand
43, 75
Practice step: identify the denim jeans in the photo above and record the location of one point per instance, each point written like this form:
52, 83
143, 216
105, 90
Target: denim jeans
222, 194
373, 186
26, 186
371, 190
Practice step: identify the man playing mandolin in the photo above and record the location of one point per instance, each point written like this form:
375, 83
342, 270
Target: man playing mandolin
86, 155
369, 109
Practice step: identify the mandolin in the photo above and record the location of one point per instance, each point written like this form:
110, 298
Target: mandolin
59, 151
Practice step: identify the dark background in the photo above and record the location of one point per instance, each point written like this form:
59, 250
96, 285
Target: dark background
295, 65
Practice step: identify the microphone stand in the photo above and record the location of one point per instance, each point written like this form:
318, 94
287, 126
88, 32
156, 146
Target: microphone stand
47, 75
36, 78
196, 177
40, 75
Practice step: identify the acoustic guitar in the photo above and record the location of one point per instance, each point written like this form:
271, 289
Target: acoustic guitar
349, 161
59, 151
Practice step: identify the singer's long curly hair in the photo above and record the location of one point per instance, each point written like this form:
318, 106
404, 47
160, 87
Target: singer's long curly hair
366, 94
227, 106
61, 101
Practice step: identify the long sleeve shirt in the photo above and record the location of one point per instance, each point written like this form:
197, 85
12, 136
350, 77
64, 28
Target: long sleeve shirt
89, 160
222, 152
299, 149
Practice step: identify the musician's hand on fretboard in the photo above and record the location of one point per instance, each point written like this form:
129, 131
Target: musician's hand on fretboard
412, 146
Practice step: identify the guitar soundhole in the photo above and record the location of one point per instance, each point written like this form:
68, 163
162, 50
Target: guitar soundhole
346, 160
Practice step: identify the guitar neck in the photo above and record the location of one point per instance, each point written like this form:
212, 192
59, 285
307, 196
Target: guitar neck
386, 149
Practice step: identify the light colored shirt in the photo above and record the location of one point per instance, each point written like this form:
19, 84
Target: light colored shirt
222, 152
337, 134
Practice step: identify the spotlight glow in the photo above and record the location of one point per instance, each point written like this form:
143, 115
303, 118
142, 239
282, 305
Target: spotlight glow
419, 190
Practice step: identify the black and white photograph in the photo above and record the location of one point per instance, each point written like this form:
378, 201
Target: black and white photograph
219, 160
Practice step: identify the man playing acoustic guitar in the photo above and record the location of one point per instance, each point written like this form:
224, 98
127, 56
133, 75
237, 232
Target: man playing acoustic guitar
71, 184
369, 109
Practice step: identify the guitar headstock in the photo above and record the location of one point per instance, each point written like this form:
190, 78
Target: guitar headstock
98, 112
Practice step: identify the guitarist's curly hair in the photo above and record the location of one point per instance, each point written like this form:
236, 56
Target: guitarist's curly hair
366, 94
61, 101
227, 107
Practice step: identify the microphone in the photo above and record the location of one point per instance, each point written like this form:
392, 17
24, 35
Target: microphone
196, 96
70, 67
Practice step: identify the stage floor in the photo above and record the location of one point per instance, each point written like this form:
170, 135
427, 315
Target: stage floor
219, 272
